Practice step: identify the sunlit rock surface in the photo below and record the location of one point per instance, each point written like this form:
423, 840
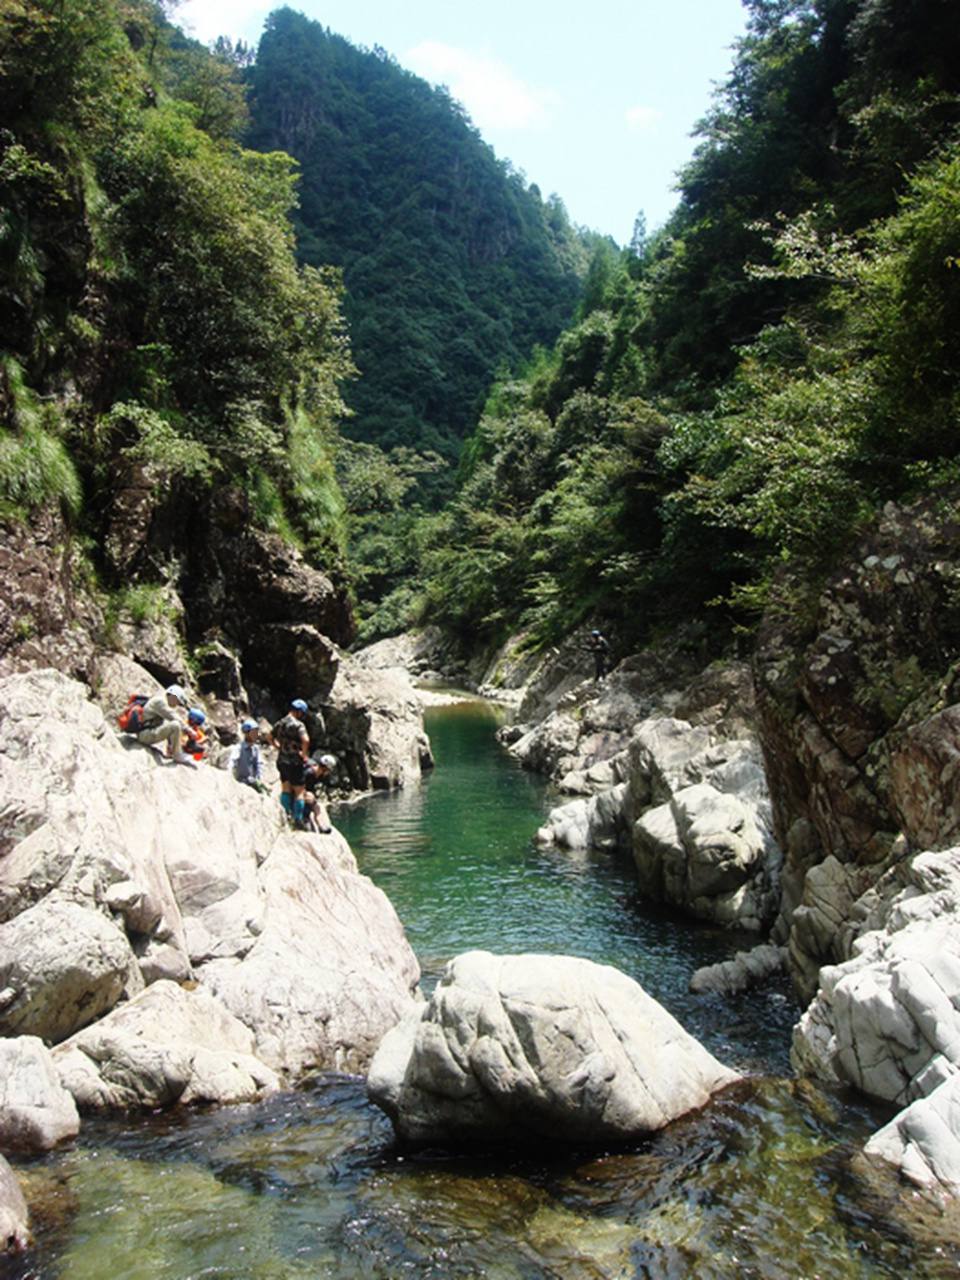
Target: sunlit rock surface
15, 1234
552, 1048
36, 1112
167, 1046
888, 1019
179, 872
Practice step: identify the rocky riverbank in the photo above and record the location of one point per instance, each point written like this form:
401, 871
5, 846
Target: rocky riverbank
808, 795
164, 933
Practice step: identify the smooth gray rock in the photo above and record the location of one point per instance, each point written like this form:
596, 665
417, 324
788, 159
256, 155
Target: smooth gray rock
167, 1046
15, 1234
923, 1141
747, 969
374, 724
705, 852
888, 1019
593, 823
554, 1048
64, 965
330, 970
191, 876
36, 1112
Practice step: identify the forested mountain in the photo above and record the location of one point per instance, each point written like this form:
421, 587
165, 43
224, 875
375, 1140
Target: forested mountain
158, 341
749, 385
453, 266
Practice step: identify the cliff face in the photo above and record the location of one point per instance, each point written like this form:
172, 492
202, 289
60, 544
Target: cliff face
47, 617
860, 724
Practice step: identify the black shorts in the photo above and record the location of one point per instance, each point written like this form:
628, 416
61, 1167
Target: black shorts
290, 769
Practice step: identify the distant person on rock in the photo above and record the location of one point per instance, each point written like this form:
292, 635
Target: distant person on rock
599, 646
246, 763
194, 738
162, 724
292, 741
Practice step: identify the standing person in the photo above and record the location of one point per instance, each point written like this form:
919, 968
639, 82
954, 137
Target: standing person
599, 646
162, 724
245, 762
292, 741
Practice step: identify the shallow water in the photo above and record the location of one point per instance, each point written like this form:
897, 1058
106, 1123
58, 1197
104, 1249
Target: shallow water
765, 1182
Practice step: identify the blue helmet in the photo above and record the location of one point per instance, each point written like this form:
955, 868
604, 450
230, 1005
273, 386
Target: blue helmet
196, 716
248, 725
298, 704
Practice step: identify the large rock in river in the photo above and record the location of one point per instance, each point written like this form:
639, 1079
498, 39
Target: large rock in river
14, 1216
181, 873
36, 1112
167, 1046
535, 1047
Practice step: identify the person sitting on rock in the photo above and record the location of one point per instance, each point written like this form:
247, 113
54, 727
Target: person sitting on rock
292, 741
317, 774
162, 724
194, 738
245, 762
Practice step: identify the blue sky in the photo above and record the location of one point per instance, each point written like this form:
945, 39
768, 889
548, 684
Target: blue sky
594, 101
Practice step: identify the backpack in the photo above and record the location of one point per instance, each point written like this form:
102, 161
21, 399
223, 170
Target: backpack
289, 733
130, 718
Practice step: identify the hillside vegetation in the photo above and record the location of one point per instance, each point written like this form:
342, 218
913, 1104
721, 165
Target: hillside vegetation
746, 387
155, 320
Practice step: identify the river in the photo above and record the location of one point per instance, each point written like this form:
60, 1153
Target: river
765, 1182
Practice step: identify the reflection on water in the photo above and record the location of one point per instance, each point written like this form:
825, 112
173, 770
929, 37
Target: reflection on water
765, 1182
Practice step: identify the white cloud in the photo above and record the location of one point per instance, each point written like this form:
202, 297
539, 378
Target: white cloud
207, 19
643, 119
491, 93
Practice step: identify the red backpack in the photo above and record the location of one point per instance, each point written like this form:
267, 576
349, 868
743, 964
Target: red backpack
130, 718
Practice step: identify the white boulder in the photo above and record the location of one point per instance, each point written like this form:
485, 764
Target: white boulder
61, 966
923, 1141
167, 1046
552, 1048
15, 1235
36, 1112
705, 851
178, 873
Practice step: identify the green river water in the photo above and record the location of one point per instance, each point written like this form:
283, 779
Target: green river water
765, 1182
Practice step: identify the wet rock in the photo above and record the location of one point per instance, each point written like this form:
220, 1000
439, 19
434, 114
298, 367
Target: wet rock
747, 969
511, 1049
15, 1234
167, 1046
36, 1112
